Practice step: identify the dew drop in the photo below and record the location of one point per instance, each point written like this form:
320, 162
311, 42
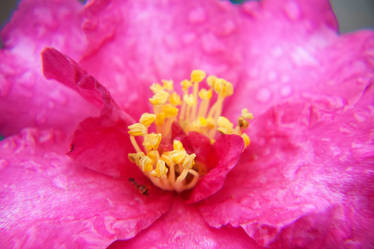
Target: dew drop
286, 91
4, 86
211, 44
59, 182
227, 28
188, 38
3, 163
263, 95
196, 16
292, 10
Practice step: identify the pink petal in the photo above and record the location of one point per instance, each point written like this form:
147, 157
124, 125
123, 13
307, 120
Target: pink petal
220, 160
183, 227
306, 181
46, 202
285, 63
167, 41
101, 143
26, 98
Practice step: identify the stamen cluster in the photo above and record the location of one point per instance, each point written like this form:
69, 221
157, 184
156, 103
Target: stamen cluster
176, 169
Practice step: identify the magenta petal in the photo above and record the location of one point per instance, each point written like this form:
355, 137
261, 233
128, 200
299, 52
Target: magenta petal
183, 227
26, 98
46, 202
103, 144
99, 143
167, 41
305, 160
227, 150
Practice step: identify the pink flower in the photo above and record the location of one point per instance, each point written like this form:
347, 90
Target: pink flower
306, 180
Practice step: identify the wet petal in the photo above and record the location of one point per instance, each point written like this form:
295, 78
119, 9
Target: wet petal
48, 203
99, 143
183, 227
167, 41
27, 99
304, 65
307, 161
220, 159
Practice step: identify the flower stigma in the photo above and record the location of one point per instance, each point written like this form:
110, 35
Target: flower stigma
174, 169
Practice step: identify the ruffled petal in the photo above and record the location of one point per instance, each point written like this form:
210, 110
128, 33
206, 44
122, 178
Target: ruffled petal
183, 227
46, 202
220, 159
284, 64
167, 41
26, 98
306, 181
99, 143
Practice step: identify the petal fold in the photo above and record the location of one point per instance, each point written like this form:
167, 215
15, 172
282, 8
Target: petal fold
183, 227
306, 160
47, 202
99, 143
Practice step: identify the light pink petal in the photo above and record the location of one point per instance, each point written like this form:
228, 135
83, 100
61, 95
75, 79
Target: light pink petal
183, 227
26, 97
128, 51
47, 202
226, 153
99, 143
306, 180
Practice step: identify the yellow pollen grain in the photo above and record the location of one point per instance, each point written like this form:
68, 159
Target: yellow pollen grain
205, 94
168, 85
170, 110
177, 145
146, 164
147, 119
197, 76
178, 156
137, 129
152, 141
160, 118
160, 97
246, 114
155, 87
186, 84
189, 161
189, 99
246, 140
175, 99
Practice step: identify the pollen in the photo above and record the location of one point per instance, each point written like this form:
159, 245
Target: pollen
196, 109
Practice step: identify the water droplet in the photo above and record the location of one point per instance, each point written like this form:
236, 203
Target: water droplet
272, 76
60, 182
292, 10
277, 52
188, 38
196, 16
4, 86
211, 44
227, 28
263, 95
286, 91
3, 163
251, 8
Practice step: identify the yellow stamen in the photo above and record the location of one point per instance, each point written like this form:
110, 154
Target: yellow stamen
159, 98
137, 129
151, 141
147, 119
177, 169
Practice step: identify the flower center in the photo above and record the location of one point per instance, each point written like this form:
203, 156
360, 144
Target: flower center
175, 169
